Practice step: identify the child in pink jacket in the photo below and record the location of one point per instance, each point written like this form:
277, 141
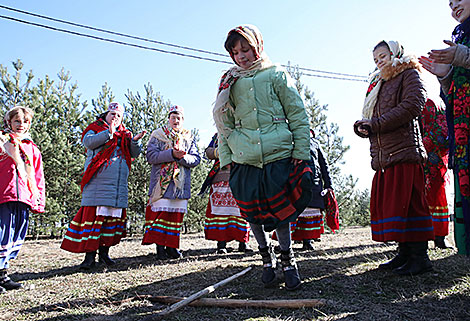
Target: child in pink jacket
21, 187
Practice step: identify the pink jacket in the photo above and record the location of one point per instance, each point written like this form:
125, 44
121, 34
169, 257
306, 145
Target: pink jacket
13, 188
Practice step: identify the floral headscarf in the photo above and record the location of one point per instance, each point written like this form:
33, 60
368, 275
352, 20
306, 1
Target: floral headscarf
375, 80
255, 40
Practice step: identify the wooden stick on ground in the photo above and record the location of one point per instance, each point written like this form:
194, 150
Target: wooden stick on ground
195, 296
233, 303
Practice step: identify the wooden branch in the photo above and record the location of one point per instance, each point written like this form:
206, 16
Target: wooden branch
233, 303
195, 296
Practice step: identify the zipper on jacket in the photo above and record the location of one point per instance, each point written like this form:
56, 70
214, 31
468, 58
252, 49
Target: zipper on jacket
399, 151
378, 141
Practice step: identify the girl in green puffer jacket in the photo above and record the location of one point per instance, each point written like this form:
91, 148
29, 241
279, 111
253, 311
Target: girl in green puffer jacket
264, 137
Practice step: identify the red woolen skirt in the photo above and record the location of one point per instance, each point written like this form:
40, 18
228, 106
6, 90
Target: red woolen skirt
308, 226
398, 207
162, 228
223, 220
437, 201
88, 231
225, 227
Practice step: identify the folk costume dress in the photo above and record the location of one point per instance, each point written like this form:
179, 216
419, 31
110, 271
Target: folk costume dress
170, 185
435, 169
262, 125
22, 189
394, 101
101, 219
223, 219
456, 96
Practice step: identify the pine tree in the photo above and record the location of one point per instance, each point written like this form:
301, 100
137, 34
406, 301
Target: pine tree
147, 112
56, 129
60, 118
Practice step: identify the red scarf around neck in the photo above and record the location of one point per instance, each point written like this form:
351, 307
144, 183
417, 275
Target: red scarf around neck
105, 154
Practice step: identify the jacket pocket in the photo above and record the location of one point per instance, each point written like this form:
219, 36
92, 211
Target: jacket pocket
399, 151
278, 141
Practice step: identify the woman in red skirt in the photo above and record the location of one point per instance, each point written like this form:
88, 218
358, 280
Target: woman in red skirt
172, 152
101, 221
399, 211
223, 222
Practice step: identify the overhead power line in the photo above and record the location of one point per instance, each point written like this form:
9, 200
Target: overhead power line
153, 41
112, 40
110, 32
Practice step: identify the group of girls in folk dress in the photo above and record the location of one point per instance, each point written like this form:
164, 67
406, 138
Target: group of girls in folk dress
269, 172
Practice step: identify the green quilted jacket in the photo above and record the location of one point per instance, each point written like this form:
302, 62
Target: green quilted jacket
269, 121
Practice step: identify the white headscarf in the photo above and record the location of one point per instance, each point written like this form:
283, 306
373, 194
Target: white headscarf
375, 80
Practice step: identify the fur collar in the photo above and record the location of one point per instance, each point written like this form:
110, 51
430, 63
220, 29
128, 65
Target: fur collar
390, 71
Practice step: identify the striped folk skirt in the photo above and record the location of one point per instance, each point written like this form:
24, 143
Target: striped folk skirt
14, 219
223, 219
163, 221
272, 195
437, 201
88, 231
309, 225
398, 207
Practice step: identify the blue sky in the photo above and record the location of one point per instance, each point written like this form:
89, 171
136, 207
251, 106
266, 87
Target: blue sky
335, 36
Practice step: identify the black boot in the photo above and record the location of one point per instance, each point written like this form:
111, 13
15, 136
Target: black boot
243, 248
161, 253
289, 268
89, 261
6, 283
103, 256
400, 259
441, 242
307, 245
173, 253
418, 261
268, 278
221, 247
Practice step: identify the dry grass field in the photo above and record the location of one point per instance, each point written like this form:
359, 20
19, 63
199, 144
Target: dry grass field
341, 271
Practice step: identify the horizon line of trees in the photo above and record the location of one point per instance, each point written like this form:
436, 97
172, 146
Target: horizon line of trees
60, 117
